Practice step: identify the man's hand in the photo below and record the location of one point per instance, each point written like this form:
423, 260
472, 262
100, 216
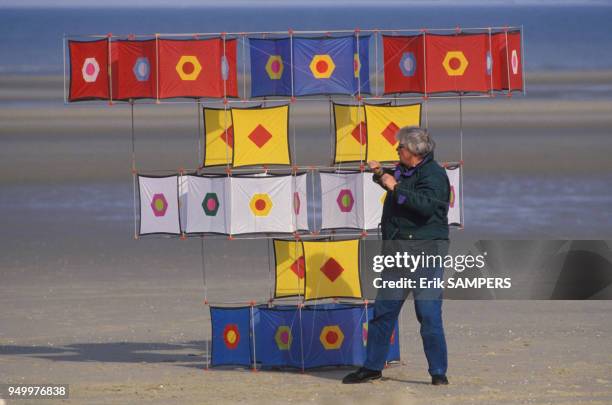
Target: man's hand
375, 167
388, 181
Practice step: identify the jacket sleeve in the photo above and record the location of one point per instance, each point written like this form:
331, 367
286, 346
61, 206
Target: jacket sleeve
427, 195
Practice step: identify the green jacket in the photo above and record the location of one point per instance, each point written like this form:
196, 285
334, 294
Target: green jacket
418, 207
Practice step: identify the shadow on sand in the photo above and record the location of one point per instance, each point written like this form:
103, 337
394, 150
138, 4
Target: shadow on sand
188, 354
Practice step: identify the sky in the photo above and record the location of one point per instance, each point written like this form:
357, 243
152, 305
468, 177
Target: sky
285, 3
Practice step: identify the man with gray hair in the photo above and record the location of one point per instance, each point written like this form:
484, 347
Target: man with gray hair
415, 216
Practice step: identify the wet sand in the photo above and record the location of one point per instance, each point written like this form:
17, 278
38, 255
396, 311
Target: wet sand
123, 321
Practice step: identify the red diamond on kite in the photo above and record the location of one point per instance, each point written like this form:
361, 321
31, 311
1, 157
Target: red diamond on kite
228, 136
359, 133
298, 267
231, 336
332, 269
260, 136
389, 133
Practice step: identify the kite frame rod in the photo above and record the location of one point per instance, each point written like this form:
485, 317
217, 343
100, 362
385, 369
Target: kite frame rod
296, 32
64, 67
288, 100
288, 170
285, 301
284, 236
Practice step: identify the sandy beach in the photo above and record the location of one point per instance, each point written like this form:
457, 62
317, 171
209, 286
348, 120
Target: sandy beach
123, 321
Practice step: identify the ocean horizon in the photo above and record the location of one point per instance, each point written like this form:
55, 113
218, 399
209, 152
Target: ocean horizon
572, 37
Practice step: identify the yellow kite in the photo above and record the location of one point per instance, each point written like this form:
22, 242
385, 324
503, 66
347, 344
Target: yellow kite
261, 136
351, 134
382, 124
219, 137
332, 269
289, 259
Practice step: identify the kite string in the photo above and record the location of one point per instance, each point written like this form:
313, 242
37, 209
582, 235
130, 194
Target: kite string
301, 336
331, 130
460, 129
293, 157
203, 259
270, 296
253, 334
426, 108
134, 172
361, 134
359, 104
461, 209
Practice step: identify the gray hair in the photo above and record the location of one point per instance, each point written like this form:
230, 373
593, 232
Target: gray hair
417, 140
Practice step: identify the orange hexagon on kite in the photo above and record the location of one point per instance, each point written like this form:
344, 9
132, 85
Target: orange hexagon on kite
261, 204
331, 337
455, 63
356, 64
231, 336
322, 66
274, 67
188, 67
283, 337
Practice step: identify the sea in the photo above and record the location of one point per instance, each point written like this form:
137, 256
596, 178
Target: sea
567, 37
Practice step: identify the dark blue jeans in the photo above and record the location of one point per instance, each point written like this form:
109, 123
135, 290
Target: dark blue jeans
428, 307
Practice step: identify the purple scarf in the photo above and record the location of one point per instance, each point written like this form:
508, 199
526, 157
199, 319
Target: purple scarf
402, 171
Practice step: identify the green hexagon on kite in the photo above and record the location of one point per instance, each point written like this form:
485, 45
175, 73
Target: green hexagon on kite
210, 204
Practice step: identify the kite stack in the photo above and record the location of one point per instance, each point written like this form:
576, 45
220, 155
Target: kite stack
248, 184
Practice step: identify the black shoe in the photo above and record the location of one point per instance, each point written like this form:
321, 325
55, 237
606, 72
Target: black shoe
439, 380
362, 375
